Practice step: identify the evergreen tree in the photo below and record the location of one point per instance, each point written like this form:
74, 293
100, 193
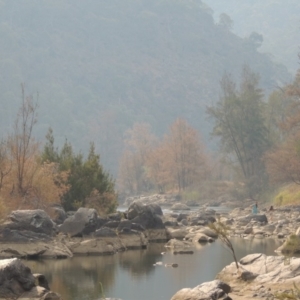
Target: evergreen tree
89, 185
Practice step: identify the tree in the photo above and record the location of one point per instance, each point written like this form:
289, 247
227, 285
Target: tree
156, 166
225, 21
256, 39
178, 161
5, 162
184, 155
139, 142
222, 230
25, 181
239, 123
283, 162
88, 184
22, 145
50, 153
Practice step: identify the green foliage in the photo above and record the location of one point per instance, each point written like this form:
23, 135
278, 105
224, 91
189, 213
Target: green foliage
240, 125
292, 245
86, 178
101, 290
288, 194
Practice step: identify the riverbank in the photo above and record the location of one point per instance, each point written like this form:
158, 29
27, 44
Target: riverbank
101, 235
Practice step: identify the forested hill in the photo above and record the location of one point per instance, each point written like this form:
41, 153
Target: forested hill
277, 21
100, 66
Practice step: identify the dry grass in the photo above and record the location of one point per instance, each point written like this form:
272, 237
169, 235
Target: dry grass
288, 195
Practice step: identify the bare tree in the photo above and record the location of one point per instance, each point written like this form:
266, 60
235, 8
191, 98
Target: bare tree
222, 231
5, 162
22, 144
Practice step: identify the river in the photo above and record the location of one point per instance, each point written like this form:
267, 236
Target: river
131, 275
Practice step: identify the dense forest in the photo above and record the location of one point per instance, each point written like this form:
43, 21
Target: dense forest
277, 22
99, 67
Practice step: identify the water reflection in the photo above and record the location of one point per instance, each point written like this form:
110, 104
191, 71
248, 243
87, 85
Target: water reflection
131, 275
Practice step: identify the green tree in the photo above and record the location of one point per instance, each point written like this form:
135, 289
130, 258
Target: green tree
50, 153
89, 185
239, 123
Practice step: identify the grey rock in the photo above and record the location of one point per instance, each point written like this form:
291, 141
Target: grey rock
112, 224
83, 222
23, 236
147, 216
212, 290
58, 214
138, 208
15, 278
17, 282
31, 220
180, 206
248, 276
115, 216
257, 218
105, 232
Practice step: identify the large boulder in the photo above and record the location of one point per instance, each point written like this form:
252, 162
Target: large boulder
149, 220
58, 214
109, 245
271, 270
178, 245
98, 246
133, 239
17, 281
180, 206
178, 233
148, 216
105, 232
212, 290
22, 236
244, 220
137, 208
202, 219
31, 220
83, 222
37, 250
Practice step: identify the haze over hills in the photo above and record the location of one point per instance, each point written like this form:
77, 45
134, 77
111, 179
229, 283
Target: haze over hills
278, 22
101, 66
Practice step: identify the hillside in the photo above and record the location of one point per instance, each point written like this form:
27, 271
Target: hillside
100, 66
277, 21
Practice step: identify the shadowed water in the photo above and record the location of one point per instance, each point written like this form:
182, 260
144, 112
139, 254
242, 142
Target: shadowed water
131, 275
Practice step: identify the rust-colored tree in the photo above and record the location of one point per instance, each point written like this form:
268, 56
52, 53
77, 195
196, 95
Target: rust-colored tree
184, 155
25, 181
283, 162
156, 166
139, 142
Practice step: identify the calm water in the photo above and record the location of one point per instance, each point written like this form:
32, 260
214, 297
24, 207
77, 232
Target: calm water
131, 275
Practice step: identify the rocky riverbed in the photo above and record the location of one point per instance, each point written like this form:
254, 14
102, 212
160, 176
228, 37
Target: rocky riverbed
33, 234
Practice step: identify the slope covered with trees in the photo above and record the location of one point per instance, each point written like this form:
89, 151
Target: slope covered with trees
276, 22
101, 66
